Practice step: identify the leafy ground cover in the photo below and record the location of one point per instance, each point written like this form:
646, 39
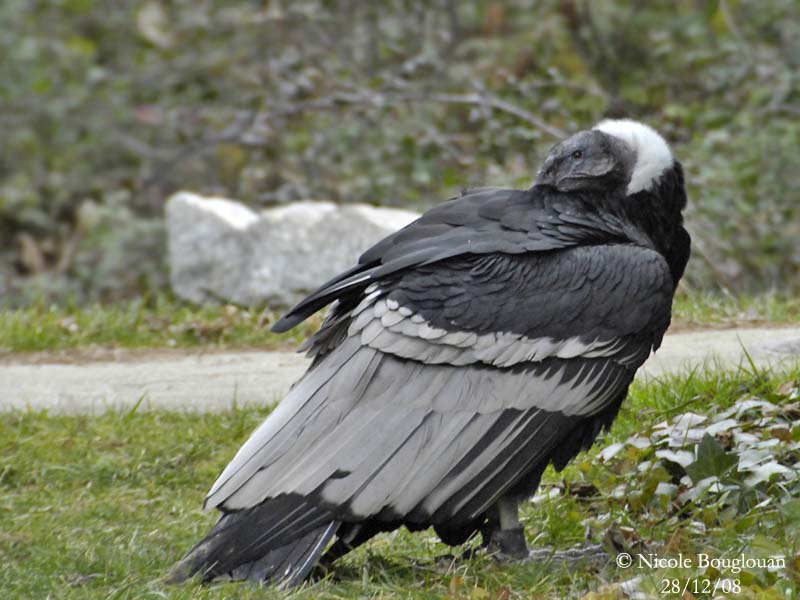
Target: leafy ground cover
165, 322
100, 506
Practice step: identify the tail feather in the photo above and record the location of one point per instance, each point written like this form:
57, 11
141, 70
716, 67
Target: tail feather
291, 564
279, 541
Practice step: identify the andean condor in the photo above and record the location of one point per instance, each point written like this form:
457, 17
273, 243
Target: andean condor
494, 335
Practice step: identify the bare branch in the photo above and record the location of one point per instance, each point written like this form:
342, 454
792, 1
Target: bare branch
245, 121
378, 99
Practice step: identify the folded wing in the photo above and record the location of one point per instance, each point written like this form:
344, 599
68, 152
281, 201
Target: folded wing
439, 387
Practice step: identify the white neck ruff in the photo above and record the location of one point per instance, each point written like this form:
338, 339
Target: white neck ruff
653, 155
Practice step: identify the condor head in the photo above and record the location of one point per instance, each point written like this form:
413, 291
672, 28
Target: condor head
615, 154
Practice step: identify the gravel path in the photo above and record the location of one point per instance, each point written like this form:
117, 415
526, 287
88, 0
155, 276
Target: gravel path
216, 381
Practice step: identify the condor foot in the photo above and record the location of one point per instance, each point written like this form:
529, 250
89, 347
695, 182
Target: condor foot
508, 544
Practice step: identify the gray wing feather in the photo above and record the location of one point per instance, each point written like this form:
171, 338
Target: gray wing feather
371, 432
487, 462
277, 431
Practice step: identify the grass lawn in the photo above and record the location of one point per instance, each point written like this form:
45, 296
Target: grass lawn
162, 322
101, 506
165, 322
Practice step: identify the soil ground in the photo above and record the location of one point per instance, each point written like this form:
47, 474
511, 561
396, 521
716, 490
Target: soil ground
96, 380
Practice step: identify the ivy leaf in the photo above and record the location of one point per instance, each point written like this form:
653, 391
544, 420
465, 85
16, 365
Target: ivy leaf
711, 461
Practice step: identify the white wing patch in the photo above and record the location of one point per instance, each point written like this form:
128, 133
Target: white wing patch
653, 155
384, 325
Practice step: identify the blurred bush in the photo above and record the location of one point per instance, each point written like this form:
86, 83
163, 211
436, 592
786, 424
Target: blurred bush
108, 107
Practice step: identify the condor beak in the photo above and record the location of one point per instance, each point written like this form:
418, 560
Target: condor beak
547, 174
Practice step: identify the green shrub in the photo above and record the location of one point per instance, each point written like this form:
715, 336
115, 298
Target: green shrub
115, 105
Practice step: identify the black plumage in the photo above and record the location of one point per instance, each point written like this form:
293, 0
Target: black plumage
493, 336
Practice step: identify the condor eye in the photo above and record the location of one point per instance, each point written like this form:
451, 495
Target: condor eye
577, 154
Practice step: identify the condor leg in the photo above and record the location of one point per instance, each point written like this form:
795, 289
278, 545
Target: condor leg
504, 535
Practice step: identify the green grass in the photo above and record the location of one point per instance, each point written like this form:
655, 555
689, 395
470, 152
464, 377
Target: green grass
99, 507
166, 322
158, 323
714, 310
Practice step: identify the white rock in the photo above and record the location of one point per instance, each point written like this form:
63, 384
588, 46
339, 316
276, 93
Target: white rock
220, 250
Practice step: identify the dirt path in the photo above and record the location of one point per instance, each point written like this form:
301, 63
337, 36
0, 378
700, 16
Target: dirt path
90, 382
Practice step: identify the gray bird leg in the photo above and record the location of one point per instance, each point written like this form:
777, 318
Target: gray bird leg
505, 536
